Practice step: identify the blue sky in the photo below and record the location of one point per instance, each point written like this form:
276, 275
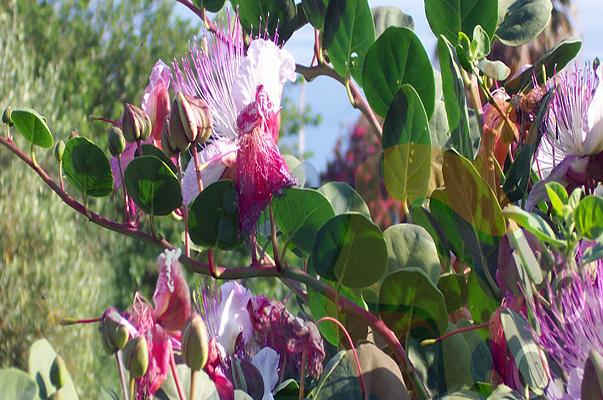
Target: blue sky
329, 98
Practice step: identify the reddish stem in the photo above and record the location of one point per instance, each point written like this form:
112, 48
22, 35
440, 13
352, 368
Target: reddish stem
351, 342
175, 375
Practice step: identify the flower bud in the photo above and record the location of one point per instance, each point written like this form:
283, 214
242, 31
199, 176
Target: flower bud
190, 121
58, 372
113, 334
176, 132
6, 116
59, 149
136, 356
195, 345
135, 123
166, 142
117, 141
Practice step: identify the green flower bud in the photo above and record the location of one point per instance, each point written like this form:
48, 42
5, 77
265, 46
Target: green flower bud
135, 123
59, 149
6, 116
203, 120
195, 344
114, 335
58, 372
166, 141
177, 135
190, 121
117, 141
136, 356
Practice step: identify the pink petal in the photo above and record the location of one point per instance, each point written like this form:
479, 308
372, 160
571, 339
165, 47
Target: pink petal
172, 297
156, 99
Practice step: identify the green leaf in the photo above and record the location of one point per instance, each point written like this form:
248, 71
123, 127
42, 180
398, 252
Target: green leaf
454, 289
344, 198
480, 44
455, 100
386, 16
32, 126
534, 224
348, 34
41, 357
593, 253
589, 217
338, 380
150, 150
396, 58
557, 195
87, 168
212, 5
271, 14
526, 353
350, 249
17, 385
523, 20
213, 219
153, 186
553, 62
503, 392
300, 213
411, 246
205, 389
443, 367
287, 390
321, 306
315, 11
481, 301
406, 147
519, 243
408, 299
496, 70
449, 17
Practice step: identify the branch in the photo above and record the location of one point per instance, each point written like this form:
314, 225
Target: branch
358, 100
195, 266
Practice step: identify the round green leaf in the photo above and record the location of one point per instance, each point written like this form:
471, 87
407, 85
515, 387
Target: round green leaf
41, 357
406, 147
87, 167
408, 299
150, 150
409, 246
396, 58
350, 249
213, 219
386, 16
300, 213
449, 17
589, 217
315, 11
348, 34
268, 15
212, 5
17, 385
338, 380
523, 20
344, 198
32, 126
153, 186
454, 289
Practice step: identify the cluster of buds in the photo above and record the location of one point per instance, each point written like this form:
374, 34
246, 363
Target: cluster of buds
135, 123
189, 122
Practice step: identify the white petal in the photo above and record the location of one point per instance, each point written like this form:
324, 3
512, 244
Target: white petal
266, 361
234, 316
213, 163
595, 110
265, 64
594, 140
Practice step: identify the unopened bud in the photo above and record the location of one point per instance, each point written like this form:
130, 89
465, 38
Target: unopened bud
135, 123
117, 141
113, 334
166, 142
195, 343
59, 149
58, 372
190, 121
176, 132
136, 356
6, 116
